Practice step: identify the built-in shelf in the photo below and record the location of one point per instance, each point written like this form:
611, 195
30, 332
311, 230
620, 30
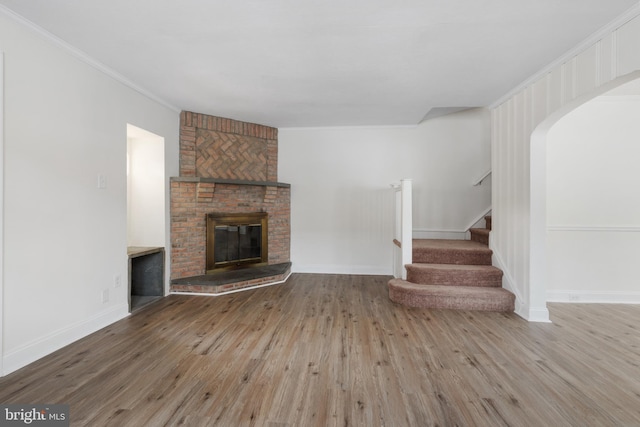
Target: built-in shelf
136, 251
146, 275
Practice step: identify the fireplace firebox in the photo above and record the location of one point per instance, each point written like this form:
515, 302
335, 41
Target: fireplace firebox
236, 240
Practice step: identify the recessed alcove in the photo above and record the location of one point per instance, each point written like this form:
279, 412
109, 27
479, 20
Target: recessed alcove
146, 275
146, 222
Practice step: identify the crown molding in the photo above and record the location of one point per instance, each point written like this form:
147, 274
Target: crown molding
84, 57
611, 27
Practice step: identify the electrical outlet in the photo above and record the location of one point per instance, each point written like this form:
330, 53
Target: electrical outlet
102, 182
117, 281
105, 296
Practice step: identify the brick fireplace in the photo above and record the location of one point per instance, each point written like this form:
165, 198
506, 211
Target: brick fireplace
226, 167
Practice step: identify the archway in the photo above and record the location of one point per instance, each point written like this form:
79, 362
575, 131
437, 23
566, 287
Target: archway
538, 190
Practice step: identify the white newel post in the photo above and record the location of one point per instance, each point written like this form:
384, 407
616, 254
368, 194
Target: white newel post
407, 225
403, 231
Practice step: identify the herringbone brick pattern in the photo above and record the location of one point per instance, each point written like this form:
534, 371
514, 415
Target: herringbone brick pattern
230, 156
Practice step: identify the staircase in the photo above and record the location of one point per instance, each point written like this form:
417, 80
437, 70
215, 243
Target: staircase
453, 274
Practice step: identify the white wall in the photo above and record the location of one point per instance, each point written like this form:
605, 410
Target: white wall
1, 208
341, 200
65, 239
519, 154
593, 207
146, 188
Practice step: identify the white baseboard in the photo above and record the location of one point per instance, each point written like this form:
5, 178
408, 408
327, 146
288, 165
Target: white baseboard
373, 270
538, 314
38, 348
522, 309
508, 283
594, 297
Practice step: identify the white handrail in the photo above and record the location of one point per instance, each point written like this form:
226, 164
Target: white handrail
482, 178
403, 228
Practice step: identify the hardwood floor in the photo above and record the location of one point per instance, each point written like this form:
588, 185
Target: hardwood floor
333, 350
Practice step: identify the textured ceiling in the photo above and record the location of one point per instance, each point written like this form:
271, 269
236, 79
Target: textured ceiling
288, 63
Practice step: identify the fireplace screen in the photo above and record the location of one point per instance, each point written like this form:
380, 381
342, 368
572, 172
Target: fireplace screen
235, 240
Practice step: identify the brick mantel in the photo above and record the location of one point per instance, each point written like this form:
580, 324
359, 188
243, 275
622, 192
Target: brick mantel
231, 181
226, 166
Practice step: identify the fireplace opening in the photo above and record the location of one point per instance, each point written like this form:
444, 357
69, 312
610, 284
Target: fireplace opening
236, 240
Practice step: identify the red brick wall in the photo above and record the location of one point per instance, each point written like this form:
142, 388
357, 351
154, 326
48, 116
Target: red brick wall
212, 147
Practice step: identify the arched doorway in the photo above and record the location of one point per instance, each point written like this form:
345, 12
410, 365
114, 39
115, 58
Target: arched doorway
540, 139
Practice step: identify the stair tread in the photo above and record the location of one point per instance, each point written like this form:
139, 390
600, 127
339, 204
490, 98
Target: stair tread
445, 244
450, 267
451, 290
450, 297
443, 251
454, 275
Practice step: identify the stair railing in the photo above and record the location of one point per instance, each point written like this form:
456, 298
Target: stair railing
402, 251
479, 181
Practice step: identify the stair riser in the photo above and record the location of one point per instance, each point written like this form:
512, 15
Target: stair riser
450, 297
410, 299
487, 222
480, 238
453, 275
493, 279
426, 256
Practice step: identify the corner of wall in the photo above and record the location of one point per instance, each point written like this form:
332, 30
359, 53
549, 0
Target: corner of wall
522, 309
539, 315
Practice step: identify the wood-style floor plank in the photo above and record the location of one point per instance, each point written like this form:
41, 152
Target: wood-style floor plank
332, 350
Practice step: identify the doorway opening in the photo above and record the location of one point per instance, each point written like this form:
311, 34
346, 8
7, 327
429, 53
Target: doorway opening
593, 210
539, 293
145, 216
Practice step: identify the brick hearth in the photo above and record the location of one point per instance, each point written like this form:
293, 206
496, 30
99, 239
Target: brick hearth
226, 166
232, 281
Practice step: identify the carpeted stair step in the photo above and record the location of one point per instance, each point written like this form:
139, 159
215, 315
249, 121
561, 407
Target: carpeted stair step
487, 222
441, 251
450, 297
454, 275
480, 235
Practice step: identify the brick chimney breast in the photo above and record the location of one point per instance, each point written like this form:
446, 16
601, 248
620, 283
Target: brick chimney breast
226, 166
